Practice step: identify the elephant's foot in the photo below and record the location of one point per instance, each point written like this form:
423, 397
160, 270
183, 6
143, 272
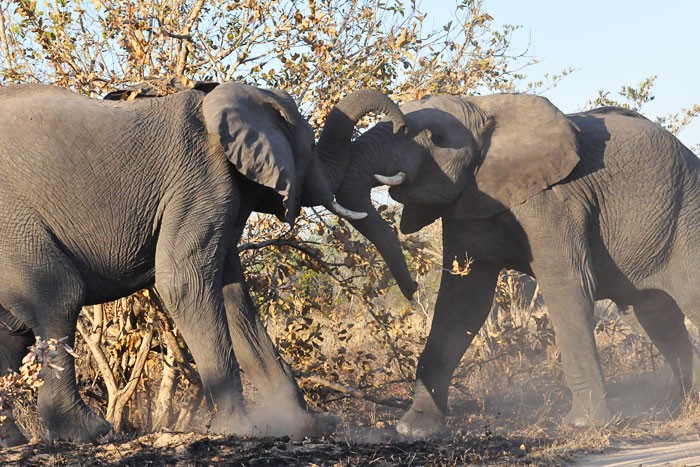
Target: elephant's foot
317, 425
292, 421
235, 424
424, 420
421, 425
9, 433
585, 413
85, 426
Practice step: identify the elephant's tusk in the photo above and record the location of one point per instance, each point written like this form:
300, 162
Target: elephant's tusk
394, 180
346, 213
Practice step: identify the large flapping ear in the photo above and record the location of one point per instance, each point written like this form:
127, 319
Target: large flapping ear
257, 130
529, 145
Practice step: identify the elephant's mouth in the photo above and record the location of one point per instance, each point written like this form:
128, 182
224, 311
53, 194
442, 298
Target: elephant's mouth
411, 194
400, 193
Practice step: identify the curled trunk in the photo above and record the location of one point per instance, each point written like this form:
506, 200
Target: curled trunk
353, 189
334, 143
354, 192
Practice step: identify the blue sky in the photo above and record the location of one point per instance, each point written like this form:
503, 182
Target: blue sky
610, 43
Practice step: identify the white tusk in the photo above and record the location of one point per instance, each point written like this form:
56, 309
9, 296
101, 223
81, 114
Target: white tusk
395, 180
347, 213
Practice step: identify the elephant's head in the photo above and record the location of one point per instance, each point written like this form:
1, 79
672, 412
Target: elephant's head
465, 158
268, 141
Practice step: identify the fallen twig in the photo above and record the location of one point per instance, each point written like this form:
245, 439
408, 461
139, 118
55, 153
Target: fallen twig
354, 392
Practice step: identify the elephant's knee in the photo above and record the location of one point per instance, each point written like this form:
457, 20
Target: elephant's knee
173, 291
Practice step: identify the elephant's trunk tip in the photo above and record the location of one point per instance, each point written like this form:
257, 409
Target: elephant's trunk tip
408, 289
393, 180
400, 127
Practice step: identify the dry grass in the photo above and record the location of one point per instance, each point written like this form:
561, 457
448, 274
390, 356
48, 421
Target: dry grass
507, 398
509, 384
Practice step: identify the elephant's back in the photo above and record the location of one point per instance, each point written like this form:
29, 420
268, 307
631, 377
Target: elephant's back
67, 155
631, 176
92, 173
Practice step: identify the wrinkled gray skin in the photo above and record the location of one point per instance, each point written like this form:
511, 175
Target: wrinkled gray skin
602, 204
101, 199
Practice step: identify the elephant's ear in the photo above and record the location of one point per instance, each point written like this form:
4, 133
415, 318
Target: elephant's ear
259, 131
530, 146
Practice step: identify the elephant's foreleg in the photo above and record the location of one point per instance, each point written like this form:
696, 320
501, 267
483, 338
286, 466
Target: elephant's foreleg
189, 270
259, 359
462, 307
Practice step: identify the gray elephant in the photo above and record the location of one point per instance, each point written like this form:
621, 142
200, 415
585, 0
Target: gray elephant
601, 204
101, 199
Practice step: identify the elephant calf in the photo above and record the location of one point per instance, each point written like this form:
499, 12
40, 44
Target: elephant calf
600, 204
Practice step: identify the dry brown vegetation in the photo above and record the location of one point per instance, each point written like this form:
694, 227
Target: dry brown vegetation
329, 303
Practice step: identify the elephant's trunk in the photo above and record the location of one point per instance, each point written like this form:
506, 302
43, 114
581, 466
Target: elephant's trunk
354, 192
334, 142
318, 193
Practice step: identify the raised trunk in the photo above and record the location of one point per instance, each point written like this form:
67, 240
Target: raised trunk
334, 143
369, 153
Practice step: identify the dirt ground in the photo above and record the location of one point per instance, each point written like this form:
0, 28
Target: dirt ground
189, 449
684, 452
480, 433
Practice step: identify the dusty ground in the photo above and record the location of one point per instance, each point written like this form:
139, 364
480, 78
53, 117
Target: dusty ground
191, 449
188, 449
685, 452
488, 432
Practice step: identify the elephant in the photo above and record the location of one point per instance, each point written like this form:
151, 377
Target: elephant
104, 198
598, 204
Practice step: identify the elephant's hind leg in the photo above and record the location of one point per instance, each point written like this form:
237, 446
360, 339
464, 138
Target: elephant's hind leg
13, 348
44, 287
663, 321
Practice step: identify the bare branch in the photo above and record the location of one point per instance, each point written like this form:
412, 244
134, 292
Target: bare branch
3, 41
125, 394
184, 37
185, 46
350, 391
93, 342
